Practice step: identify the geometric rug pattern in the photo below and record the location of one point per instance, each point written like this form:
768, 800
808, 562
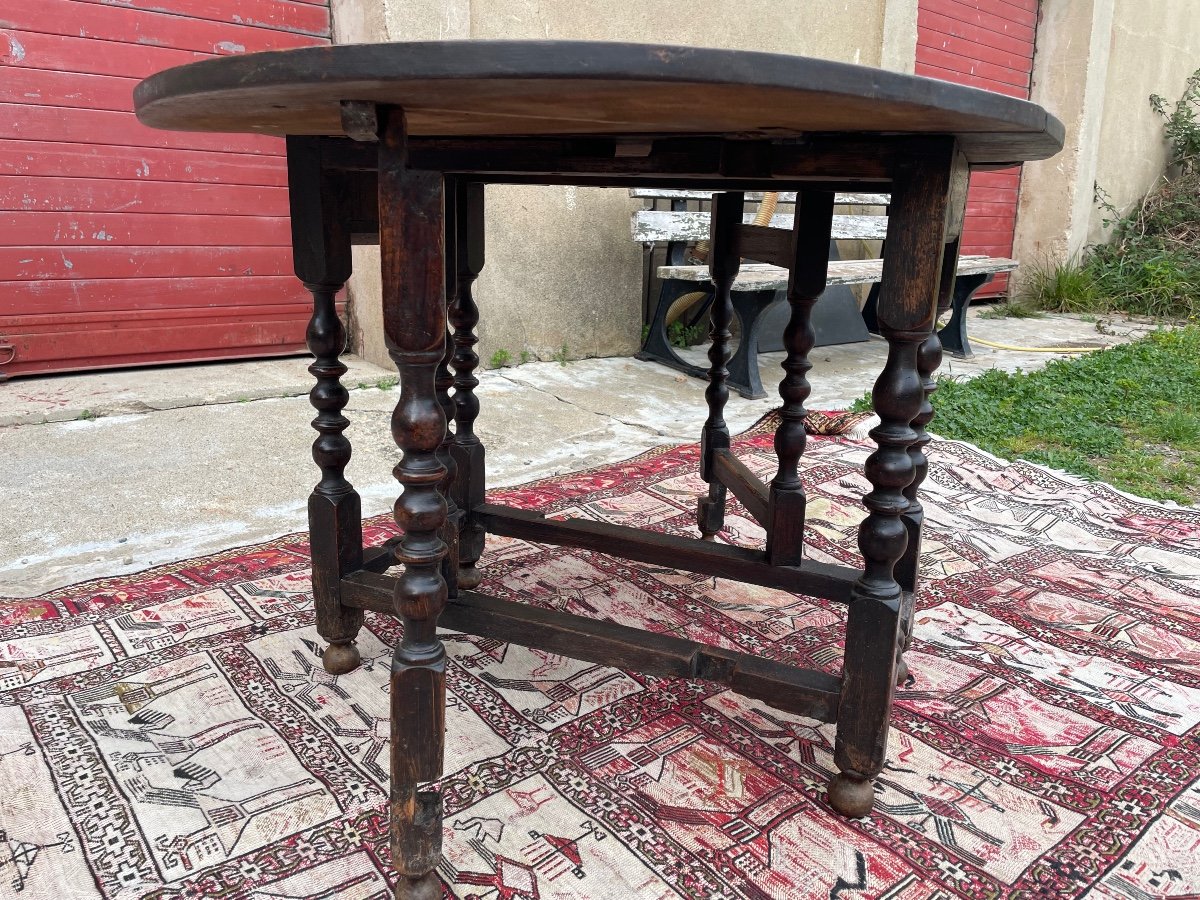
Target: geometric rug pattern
173, 735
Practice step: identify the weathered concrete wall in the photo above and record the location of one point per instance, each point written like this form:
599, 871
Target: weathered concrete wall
1070, 71
1151, 54
1097, 63
561, 268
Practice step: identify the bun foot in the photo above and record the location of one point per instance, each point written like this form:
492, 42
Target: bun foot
901, 672
469, 577
851, 797
341, 658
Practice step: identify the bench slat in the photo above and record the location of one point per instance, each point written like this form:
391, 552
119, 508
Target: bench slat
650, 225
762, 277
784, 196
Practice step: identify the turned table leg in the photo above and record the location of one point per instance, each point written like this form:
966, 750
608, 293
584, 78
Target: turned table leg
411, 241
321, 252
464, 205
724, 262
917, 227
787, 501
929, 357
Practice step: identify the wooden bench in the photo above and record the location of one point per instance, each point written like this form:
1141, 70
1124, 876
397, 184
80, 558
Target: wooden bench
759, 291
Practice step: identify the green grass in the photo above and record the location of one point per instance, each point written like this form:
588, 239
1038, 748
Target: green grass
1129, 415
1149, 267
1011, 309
1062, 287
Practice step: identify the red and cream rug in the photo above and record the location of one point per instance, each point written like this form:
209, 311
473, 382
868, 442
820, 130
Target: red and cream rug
172, 734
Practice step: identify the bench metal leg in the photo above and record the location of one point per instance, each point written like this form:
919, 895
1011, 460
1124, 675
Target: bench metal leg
743, 365
657, 345
954, 335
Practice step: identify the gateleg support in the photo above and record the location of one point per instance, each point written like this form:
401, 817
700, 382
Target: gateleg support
724, 260
810, 264
464, 262
322, 259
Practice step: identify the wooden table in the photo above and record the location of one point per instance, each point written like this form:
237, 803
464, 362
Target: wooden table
394, 142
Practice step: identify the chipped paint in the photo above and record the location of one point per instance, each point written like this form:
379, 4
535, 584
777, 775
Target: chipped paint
16, 50
229, 47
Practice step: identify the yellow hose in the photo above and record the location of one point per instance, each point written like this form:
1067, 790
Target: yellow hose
995, 346
766, 210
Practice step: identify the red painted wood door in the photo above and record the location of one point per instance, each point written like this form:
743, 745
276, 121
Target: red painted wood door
121, 245
987, 44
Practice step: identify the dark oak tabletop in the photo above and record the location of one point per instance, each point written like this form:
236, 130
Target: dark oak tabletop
568, 88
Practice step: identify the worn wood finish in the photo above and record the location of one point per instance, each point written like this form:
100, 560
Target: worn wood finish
799, 691
649, 225
467, 449
763, 277
477, 88
321, 254
815, 579
724, 259
413, 276
715, 163
767, 244
908, 301
744, 484
809, 245
711, 163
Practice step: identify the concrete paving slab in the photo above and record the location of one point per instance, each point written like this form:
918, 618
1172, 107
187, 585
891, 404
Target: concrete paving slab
181, 461
666, 406
843, 373
114, 494
64, 398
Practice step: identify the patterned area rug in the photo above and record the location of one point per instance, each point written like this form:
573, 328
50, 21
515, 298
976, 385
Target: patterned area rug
172, 734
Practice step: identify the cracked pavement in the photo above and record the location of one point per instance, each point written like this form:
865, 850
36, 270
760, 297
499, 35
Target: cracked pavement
114, 472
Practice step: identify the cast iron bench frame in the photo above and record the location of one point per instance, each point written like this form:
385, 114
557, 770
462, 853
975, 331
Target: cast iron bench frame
760, 286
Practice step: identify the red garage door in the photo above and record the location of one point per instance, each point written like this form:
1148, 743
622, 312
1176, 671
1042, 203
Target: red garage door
987, 44
120, 245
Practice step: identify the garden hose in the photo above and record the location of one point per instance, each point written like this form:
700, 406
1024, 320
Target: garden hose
766, 210
995, 346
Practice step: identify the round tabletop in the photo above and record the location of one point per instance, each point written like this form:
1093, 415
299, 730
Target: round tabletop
570, 88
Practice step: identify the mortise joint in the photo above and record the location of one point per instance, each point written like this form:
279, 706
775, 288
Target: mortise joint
359, 121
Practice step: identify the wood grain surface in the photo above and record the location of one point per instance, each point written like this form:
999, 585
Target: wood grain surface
475, 88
